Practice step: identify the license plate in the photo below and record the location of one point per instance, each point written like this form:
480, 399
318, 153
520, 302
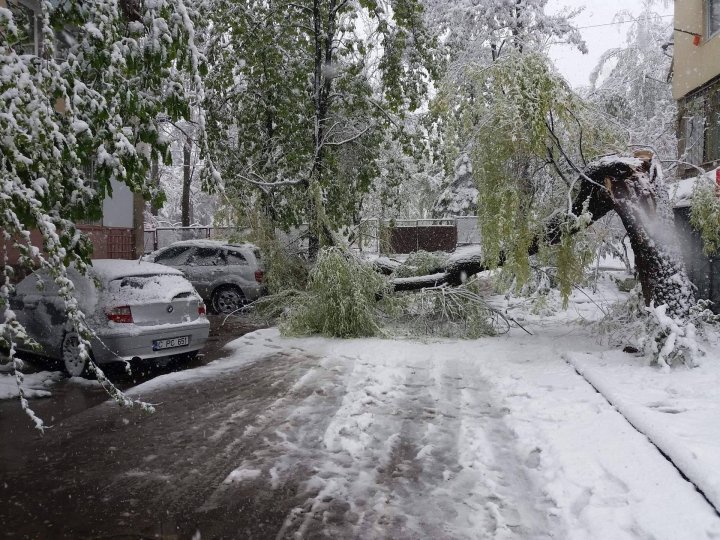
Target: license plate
171, 343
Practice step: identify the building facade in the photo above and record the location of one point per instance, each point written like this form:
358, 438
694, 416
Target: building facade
696, 83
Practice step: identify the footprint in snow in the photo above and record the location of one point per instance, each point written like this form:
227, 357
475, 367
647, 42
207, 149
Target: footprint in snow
533, 460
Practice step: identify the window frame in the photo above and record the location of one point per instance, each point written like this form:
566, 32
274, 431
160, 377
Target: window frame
702, 104
708, 19
34, 7
242, 256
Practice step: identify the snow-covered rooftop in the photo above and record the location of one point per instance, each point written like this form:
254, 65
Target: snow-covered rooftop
680, 192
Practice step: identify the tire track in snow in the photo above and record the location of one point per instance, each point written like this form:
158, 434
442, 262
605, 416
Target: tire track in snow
415, 451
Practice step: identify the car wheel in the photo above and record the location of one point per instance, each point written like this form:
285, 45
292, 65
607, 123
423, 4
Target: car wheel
228, 299
74, 365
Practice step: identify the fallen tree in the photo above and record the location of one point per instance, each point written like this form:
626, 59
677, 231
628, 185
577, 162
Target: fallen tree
634, 188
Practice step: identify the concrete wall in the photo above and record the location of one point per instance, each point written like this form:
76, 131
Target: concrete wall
693, 65
118, 209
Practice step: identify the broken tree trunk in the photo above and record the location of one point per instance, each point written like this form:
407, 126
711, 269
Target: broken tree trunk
639, 196
634, 188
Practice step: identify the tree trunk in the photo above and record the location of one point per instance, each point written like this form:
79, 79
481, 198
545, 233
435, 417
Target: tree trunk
633, 188
155, 182
322, 100
187, 179
642, 202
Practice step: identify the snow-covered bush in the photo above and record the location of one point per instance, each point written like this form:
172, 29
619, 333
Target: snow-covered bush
666, 341
340, 300
422, 263
705, 212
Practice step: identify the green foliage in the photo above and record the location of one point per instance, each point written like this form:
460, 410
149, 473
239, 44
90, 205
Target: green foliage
340, 299
304, 94
283, 270
422, 263
705, 213
515, 116
95, 105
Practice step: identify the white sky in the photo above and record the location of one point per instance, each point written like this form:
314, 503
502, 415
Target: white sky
575, 66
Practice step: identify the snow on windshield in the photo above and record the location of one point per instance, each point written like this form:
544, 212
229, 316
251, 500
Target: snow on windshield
135, 290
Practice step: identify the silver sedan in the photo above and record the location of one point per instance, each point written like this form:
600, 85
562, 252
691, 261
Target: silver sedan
137, 310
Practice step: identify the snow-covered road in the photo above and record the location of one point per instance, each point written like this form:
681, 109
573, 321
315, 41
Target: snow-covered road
496, 438
367, 439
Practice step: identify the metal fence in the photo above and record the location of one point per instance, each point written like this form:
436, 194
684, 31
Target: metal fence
161, 237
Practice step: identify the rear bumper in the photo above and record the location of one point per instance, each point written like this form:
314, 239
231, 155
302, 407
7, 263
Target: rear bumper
253, 292
137, 342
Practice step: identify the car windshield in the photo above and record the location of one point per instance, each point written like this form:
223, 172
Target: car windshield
149, 289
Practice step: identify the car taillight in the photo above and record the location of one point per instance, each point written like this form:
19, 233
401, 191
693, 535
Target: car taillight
258, 276
120, 314
201, 308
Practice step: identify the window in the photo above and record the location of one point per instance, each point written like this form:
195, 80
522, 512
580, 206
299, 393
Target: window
712, 12
25, 13
694, 131
235, 258
173, 256
206, 257
700, 129
713, 135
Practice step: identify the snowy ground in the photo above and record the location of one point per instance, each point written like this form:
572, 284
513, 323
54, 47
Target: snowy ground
679, 412
36, 384
496, 438
386, 439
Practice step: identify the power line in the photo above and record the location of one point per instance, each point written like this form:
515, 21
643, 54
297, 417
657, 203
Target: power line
614, 23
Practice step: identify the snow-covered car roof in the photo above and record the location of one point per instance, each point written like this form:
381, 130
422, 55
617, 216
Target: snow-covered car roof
212, 243
110, 269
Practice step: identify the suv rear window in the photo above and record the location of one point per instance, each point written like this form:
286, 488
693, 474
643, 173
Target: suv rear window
235, 258
203, 256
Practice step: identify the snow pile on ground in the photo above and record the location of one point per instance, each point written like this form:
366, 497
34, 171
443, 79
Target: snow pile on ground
679, 411
35, 384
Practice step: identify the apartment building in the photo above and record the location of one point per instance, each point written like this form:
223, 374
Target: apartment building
696, 83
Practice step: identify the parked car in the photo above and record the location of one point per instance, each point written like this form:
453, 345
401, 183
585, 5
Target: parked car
138, 311
226, 275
